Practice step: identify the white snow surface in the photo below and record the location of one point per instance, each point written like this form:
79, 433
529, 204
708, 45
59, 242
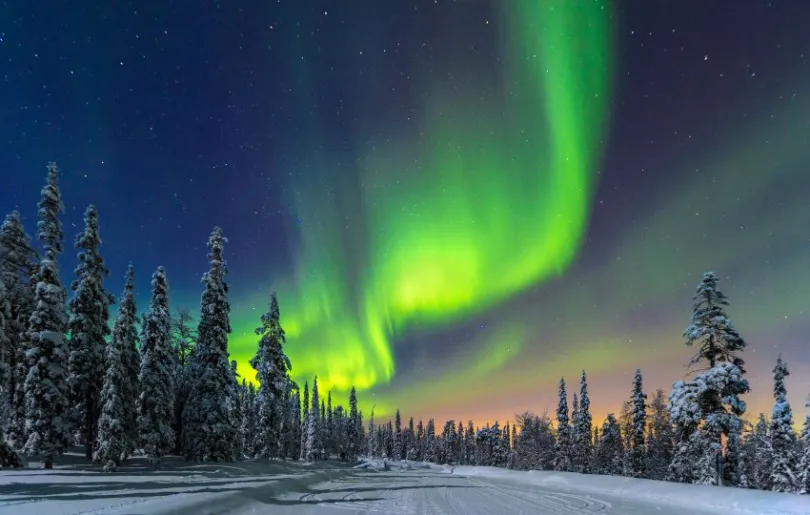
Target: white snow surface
372, 487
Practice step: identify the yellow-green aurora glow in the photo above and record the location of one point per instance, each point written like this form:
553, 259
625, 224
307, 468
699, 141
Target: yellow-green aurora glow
491, 198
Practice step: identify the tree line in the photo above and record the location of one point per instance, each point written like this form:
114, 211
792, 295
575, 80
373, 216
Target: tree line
698, 434
156, 385
151, 384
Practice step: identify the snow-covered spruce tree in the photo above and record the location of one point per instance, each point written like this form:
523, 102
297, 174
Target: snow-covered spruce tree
712, 397
430, 442
638, 451
609, 455
47, 424
272, 366
562, 460
659, 438
444, 454
304, 422
711, 329
582, 429
247, 427
574, 434
718, 342
113, 445
322, 432
525, 444
210, 430
388, 441
89, 328
398, 436
8, 457
183, 338
410, 441
125, 338
370, 440
18, 271
804, 464
314, 436
735, 473
757, 455
514, 451
156, 400
783, 439
7, 352
353, 429
329, 437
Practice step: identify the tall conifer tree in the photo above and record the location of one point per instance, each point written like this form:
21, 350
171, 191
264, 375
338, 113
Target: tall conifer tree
46, 388
211, 431
113, 444
638, 451
156, 378
89, 328
583, 428
125, 339
782, 438
272, 366
18, 271
562, 459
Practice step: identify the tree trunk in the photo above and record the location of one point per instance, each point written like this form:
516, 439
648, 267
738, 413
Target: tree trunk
48, 462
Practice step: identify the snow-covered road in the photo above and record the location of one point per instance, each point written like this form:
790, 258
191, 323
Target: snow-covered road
294, 488
423, 492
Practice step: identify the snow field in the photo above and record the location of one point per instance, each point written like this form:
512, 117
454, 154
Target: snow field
393, 488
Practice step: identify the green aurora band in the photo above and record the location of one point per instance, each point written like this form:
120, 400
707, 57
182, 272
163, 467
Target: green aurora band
490, 199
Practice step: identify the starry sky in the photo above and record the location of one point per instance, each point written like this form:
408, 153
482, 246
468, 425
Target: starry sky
458, 202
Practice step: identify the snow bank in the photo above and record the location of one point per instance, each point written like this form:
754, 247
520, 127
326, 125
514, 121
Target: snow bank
698, 497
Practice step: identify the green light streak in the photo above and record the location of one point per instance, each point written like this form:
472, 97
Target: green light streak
487, 198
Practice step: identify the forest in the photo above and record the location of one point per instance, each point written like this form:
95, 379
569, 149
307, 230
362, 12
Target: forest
157, 384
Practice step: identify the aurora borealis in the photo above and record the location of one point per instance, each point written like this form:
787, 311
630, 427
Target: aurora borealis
457, 202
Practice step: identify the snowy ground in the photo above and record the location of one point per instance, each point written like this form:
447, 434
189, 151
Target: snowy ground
292, 488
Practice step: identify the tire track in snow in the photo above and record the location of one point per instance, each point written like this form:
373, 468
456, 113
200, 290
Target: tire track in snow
556, 503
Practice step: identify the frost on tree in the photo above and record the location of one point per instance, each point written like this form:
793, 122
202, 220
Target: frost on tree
711, 329
353, 429
18, 271
582, 429
156, 400
272, 372
756, 456
562, 461
125, 339
535, 443
304, 422
398, 436
713, 395
6, 350
638, 452
47, 425
660, 438
782, 438
112, 433
210, 428
88, 328
804, 464
609, 454
8, 458
314, 438
702, 409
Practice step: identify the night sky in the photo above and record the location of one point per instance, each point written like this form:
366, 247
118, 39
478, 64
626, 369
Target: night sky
457, 201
